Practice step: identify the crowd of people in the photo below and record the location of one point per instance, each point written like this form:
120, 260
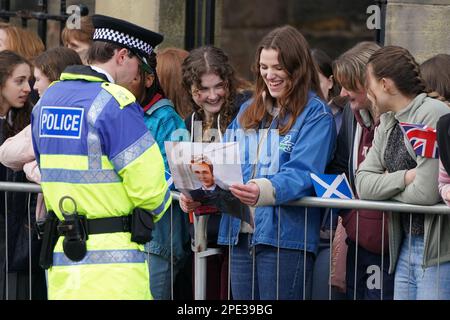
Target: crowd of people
88, 121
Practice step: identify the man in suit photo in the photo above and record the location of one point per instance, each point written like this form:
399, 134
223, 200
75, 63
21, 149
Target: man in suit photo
210, 193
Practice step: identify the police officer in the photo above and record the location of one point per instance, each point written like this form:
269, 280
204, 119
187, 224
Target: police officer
99, 163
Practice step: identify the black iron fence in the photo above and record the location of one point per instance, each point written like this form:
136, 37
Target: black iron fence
41, 15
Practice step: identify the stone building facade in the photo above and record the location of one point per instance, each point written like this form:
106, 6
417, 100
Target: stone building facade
334, 26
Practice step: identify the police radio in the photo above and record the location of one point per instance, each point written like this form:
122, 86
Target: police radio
73, 228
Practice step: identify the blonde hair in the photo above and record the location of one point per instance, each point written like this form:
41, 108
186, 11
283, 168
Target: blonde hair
168, 68
24, 42
350, 68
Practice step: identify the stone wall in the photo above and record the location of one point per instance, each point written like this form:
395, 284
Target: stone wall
421, 26
333, 26
141, 12
172, 23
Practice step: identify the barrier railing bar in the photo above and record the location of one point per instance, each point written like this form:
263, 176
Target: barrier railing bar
370, 205
304, 202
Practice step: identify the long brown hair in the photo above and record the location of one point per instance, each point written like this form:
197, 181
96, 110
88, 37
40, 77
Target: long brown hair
26, 43
17, 118
436, 74
294, 56
170, 78
398, 64
206, 60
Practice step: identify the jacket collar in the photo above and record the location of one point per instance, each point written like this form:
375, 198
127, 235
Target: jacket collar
157, 97
364, 118
104, 72
404, 115
83, 73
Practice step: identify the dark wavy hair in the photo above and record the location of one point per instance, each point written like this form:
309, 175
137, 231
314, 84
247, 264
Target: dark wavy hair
18, 118
206, 60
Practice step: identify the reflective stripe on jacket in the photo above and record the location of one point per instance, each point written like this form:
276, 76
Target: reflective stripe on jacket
92, 144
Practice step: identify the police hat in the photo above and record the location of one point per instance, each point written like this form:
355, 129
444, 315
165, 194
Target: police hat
138, 40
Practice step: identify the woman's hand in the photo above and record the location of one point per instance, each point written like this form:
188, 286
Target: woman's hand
187, 204
410, 176
447, 196
248, 194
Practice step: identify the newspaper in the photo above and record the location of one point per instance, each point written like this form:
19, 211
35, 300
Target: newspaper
204, 172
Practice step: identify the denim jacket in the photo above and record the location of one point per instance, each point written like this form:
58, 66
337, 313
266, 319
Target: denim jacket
284, 163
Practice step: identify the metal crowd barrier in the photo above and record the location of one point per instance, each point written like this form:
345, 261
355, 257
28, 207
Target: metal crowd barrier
383, 206
200, 258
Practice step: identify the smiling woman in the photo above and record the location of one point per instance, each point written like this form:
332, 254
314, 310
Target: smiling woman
216, 92
294, 131
216, 95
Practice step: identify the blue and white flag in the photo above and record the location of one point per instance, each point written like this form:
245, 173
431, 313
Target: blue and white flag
169, 178
332, 186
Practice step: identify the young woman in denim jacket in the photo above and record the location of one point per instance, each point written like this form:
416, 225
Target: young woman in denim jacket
285, 133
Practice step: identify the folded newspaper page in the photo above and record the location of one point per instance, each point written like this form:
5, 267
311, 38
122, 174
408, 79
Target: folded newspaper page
204, 172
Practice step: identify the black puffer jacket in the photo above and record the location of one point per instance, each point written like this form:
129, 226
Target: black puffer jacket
20, 220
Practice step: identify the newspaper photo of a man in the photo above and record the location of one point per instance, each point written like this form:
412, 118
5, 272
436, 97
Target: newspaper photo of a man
204, 173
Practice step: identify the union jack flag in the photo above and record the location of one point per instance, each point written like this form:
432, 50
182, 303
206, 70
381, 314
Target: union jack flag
423, 139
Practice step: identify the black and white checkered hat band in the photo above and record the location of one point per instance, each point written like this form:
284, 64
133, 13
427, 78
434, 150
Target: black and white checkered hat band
122, 38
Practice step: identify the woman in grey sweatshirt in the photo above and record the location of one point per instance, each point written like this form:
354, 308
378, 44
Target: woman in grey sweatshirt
392, 170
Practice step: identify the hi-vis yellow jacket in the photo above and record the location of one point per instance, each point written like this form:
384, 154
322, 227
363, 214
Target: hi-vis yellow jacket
92, 144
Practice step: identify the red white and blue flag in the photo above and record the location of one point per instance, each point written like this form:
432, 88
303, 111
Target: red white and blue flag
423, 139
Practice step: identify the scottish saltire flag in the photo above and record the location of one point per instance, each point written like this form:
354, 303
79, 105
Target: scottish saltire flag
423, 139
332, 186
169, 178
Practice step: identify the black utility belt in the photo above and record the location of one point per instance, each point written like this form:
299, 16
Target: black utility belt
98, 226
76, 229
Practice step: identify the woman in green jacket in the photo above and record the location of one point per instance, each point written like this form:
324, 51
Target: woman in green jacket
419, 243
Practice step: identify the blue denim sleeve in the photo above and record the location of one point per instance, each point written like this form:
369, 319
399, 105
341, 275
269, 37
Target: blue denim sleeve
310, 154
